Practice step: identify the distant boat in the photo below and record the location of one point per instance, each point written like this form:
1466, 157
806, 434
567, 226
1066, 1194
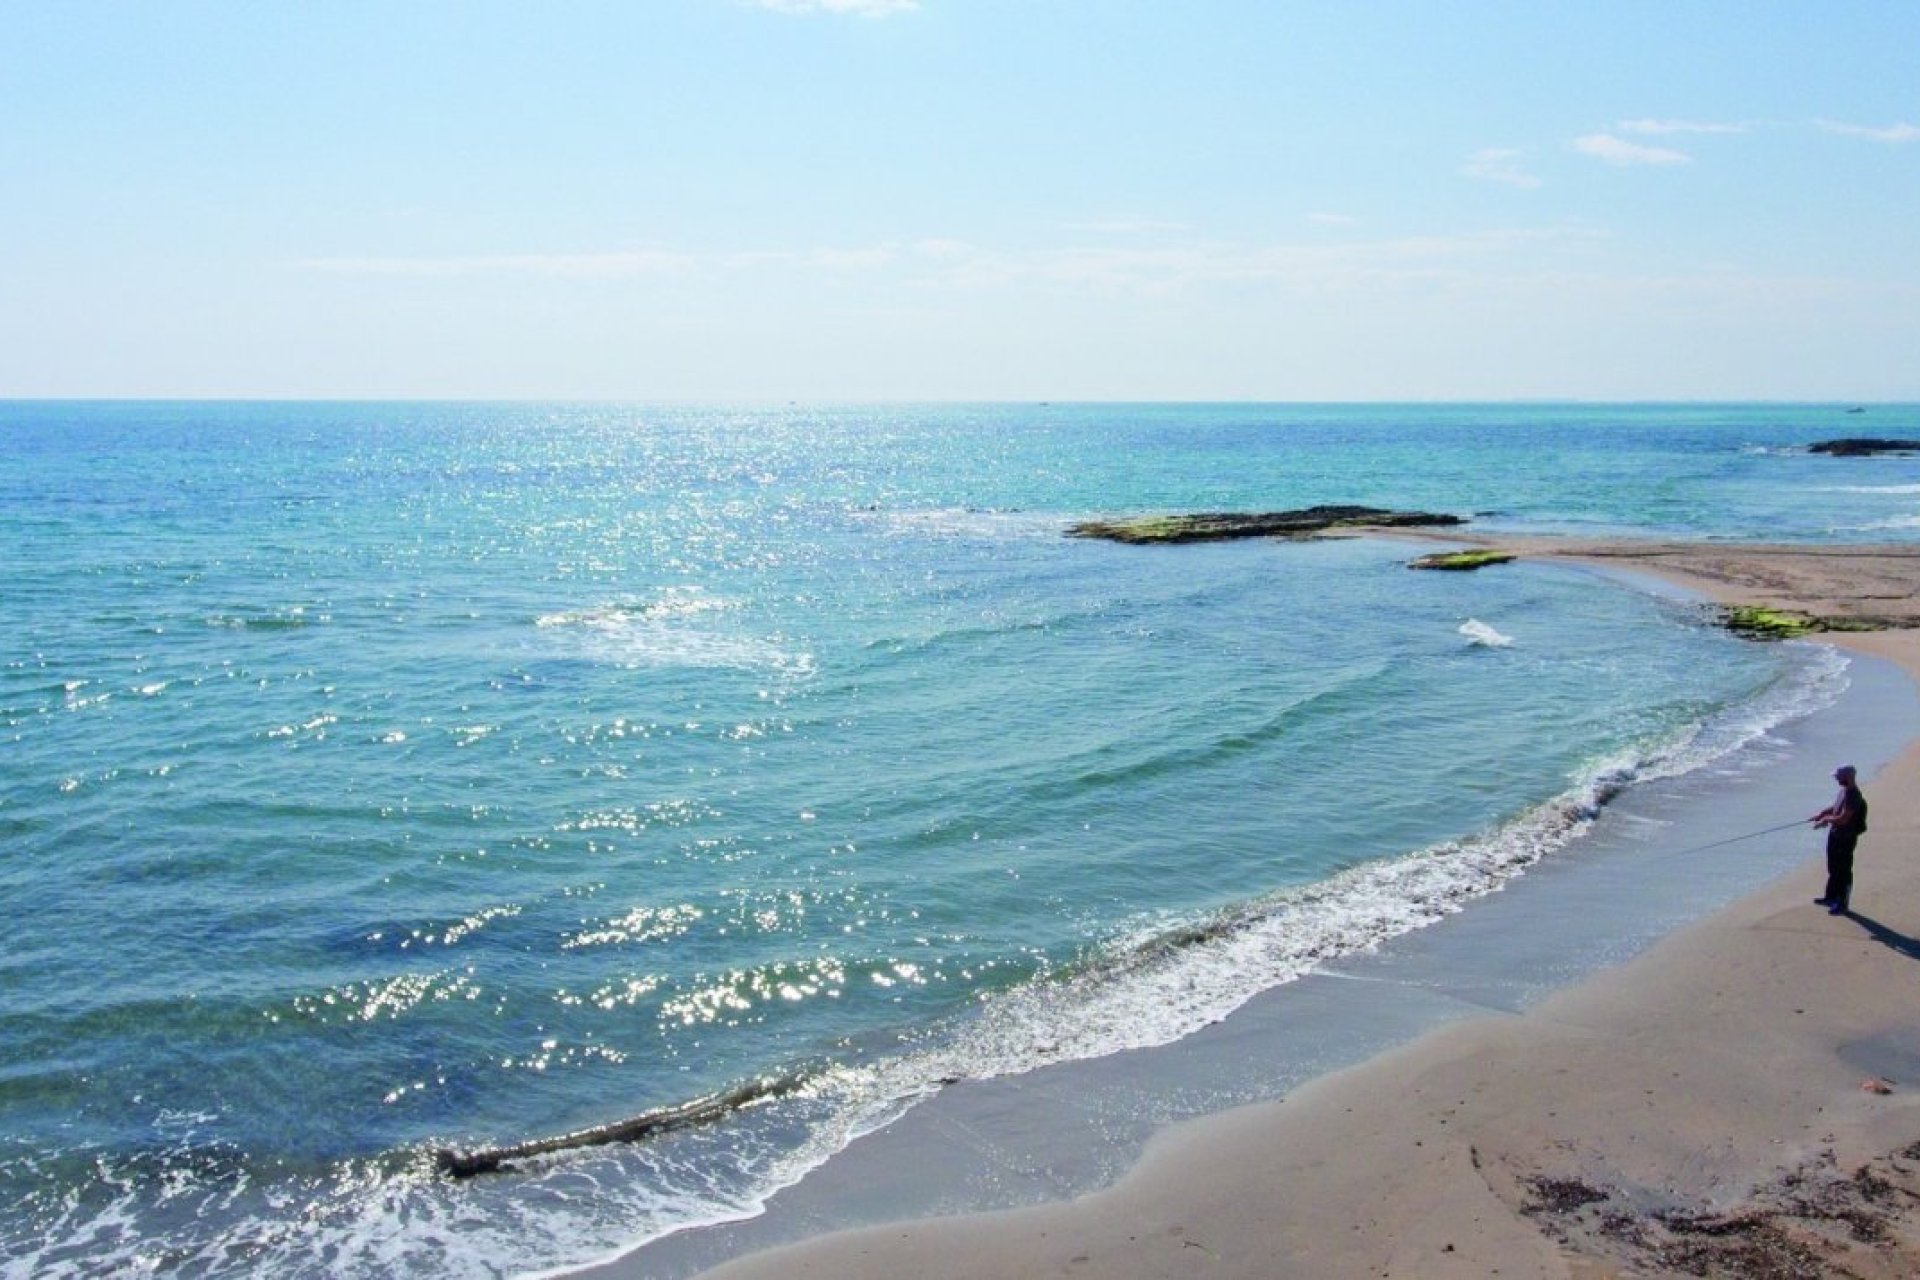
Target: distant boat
1856, 409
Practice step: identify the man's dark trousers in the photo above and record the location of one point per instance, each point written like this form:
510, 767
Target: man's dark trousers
1840, 865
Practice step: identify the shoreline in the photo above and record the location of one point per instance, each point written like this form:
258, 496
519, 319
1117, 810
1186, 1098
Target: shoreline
1589, 1134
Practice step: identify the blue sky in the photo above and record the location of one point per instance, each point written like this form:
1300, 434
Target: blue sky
960, 199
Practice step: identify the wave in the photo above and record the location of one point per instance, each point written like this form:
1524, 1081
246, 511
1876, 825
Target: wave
1170, 978
1478, 632
672, 631
1147, 759
682, 602
1048, 616
970, 522
720, 1157
291, 620
1167, 978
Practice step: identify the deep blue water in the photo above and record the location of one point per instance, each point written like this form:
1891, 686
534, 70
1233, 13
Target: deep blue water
376, 778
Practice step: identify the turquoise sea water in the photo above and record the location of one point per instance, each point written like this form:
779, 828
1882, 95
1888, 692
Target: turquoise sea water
382, 778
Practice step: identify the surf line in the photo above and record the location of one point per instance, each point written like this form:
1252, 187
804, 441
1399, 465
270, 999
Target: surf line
648, 1124
714, 1106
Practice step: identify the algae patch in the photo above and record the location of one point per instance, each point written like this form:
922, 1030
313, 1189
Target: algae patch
1756, 623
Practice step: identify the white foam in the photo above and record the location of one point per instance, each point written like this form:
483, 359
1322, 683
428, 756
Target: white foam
674, 630
1478, 632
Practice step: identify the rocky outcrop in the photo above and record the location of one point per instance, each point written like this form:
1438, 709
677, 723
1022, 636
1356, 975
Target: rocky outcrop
1214, 526
1460, 561
1863, 446
1757, 623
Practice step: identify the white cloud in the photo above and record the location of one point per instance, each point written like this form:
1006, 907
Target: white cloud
1678, 126
861, 8
574, 265
1499, 164
1605, 146
613, 264
1896, 133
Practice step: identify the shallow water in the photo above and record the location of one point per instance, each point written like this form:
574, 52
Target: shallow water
384, 777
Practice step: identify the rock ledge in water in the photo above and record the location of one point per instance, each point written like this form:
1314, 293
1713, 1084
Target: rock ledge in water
1461, 560
1213, 526
1863, 446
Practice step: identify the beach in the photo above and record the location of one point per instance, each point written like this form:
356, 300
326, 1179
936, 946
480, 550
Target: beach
789, 637
1738, 1099
787, 785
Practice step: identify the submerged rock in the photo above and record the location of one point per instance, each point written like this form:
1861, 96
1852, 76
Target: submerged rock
1863, 446
1213, 526
1461, 560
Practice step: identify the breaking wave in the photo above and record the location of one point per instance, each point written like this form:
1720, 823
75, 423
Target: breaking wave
719, 1158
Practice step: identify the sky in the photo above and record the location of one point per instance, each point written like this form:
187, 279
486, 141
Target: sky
856, 200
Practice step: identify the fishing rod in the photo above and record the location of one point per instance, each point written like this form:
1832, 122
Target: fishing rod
1786, 826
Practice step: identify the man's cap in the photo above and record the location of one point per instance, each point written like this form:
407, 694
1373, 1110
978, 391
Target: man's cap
1844, 771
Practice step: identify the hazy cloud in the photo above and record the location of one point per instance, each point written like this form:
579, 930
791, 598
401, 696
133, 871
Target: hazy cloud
1605, 146
1127, 226
861, 8
1153, 267
1443, 261
1678, 126
1895, 133
1499, 164
615, 264
870, 258
577, 265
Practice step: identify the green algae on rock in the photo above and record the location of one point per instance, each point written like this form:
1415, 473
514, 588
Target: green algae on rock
1757, 623
1461, 560
1212, 526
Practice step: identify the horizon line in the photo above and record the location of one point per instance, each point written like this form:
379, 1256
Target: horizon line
1032, 402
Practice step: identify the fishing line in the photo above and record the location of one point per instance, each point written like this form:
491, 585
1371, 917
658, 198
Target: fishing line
1787, 826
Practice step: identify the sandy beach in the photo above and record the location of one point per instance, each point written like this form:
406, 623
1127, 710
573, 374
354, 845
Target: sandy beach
1741, 1099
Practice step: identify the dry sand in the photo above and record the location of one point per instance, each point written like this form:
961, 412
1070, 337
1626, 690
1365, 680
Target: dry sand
1743, 1099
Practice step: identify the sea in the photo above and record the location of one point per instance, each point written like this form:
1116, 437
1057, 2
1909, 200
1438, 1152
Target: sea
385, 780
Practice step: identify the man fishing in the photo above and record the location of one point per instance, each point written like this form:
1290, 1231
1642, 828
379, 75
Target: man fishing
1844, 820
